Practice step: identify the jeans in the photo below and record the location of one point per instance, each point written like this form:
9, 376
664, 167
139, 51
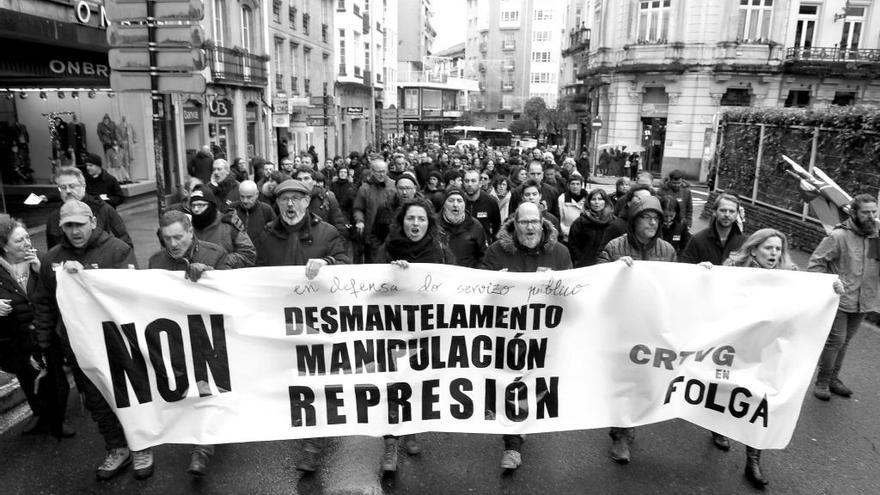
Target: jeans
513, 442
843, 329
108, 424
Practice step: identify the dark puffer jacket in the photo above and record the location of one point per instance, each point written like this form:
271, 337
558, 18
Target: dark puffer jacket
281, 244
705, 245
101, 251
588, 235
508, 253
467, 240
203, 252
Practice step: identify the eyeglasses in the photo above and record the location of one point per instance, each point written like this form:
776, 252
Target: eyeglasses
69, 187
528, 223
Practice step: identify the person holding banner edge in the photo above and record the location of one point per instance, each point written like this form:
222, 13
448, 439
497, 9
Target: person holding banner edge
527, 242
642, 241
413, 237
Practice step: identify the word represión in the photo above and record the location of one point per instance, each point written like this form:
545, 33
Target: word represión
419, 317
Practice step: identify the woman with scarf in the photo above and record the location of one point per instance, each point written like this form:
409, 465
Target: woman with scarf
43, 382
587, 234
501, 192
413, 237
571, 204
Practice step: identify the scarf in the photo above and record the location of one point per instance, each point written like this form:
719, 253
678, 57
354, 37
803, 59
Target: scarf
399, 247
204, 218
601, 218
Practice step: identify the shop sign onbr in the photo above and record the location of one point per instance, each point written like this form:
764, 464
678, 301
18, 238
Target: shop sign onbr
220, 108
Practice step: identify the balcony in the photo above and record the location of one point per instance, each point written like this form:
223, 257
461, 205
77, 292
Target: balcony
294, 85
237, 66
833, 62
832, 54
578, 41
507, 86
508, 45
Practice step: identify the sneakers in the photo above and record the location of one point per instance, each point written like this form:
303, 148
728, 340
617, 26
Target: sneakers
116, 460
198, 464
838, 388
389, 458
309, 462
511, 459
143, 463
413, 447
822, 392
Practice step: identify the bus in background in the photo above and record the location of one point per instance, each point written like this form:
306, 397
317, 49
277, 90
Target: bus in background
490, 137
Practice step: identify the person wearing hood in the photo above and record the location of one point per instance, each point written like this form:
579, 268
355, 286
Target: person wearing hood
641, 242
852, 251
588, 234
323, 202
72, 185
252, 212
202, 164
571, 204
465, 235
527, 242
101, 184
223, 185
225, 230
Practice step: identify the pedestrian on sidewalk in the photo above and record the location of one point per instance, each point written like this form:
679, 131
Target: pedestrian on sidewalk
84, 245
852, 251
45, 385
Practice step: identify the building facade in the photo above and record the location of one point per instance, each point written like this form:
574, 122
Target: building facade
660, 71
300, 37
573, 95
55, 97
513, 49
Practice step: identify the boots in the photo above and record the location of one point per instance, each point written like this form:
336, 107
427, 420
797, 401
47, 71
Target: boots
621, 438
821, 390
389, 458
753, 468
721, 442
838, 388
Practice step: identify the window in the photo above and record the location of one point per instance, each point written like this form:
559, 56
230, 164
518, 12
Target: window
220, 21
340, 5
754, 19
276, 10
411, 98
543, 15
366, 56
736, 97
306, 19
307, 71
247, 28
798, 98
294, 82
653, 21
504, 104
291, 15
342, 52
577, 16
844, 98
508, 40
540, 56
356, 9
541, 77
541, 36
279, 66
510, 16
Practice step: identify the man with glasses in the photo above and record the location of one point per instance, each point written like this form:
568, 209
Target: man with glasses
641, 242
526, 243
72, 185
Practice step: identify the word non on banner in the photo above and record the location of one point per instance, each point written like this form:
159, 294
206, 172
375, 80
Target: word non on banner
265, 354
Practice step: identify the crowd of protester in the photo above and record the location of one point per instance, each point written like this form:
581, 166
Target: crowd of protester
494, 209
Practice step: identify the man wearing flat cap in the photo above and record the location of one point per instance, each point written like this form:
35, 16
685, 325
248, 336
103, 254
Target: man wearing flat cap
85, 246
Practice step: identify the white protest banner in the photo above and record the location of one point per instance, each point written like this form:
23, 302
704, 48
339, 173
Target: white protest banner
264, 354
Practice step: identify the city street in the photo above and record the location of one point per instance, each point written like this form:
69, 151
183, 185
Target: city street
834, 450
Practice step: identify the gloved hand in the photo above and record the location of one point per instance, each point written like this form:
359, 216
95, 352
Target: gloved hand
38, 360
195, 270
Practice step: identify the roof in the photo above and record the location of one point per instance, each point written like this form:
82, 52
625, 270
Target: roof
452, 51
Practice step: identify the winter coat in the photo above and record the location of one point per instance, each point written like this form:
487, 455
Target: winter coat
281, 244
588, 235
206, 253
684, 198
224, 232
508, 253
431, 249
569, 210
106, 217
548, 196
16, 328
325, 205
202, 166
226, 192
370, 197
706, 246
255, 219
676, 233
101, 251
467, 240
105, 184
345, 193
847, 252
485, 210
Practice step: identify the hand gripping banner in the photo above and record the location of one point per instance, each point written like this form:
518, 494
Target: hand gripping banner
264, 354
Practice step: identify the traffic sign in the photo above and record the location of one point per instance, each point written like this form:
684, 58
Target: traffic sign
185, 59
163, 10
167, 36
167, 82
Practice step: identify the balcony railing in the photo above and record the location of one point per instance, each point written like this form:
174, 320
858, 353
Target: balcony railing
833, 54
508, 65
237, 66
307, 87
508, 45
294, 85
578, 41
507, 86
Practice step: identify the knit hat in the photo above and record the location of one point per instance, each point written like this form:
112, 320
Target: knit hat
92, 158
202, 194
452, 191
410, 176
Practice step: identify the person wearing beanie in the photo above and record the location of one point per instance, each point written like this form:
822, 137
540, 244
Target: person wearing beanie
465, 236
641, 242
101, 184
226, 231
